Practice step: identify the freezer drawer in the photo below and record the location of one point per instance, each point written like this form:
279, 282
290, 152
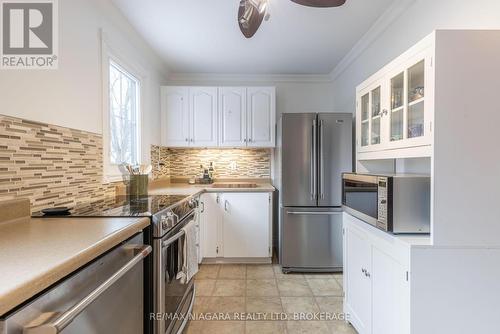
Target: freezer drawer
311, 239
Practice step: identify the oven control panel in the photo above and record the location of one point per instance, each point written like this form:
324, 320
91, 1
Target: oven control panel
382, 202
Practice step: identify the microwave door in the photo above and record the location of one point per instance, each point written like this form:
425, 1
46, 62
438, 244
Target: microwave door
361, 200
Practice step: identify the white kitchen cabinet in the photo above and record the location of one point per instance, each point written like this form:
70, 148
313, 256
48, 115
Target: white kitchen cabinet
232, 116
394, 107
236, 225
246, 225
189, 116
175, 116
218, 116
358, 257
203, 116
390, 294
210, 218
377, 291
261, 116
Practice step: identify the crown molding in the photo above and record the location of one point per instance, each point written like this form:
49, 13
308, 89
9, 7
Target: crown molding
380, 25
245, 78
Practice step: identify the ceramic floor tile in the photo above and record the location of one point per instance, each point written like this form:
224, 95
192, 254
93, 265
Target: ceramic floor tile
207, 271
232, 271
295, 306
205, 287
341, 327
200, 304
266, 305
262, 287
330, 304
279, 273
340, 280
229, 288
318, 275
260, 271
227, 305
216, 327
325, 287
307, 327
292, 287
265, 327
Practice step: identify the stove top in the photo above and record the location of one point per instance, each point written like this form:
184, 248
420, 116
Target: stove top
122, 206
165, 211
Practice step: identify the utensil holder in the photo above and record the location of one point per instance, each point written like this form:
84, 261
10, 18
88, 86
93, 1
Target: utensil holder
138, 186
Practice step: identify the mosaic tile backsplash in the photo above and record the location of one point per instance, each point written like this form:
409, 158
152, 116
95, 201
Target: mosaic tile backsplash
50, 165
229, 163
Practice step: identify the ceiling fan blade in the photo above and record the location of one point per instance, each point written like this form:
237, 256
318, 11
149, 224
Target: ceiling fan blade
249, 18
320, 3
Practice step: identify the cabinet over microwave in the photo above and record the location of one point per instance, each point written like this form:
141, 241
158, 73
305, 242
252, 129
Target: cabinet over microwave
395, 203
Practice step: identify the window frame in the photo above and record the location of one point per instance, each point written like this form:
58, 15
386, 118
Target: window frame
113, 172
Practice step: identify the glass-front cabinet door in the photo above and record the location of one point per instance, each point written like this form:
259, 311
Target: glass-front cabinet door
407, 113
371, 121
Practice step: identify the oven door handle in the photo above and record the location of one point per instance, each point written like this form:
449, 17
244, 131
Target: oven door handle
56, 322
170, 240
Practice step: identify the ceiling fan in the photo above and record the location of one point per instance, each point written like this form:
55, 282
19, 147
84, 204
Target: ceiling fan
251, 13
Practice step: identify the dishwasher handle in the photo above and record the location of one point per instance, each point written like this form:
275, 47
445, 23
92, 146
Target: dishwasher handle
55, 322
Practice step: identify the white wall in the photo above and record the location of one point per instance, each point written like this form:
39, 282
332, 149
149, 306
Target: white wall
420, 19
71, 95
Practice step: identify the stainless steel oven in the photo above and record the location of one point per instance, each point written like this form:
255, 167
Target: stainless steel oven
173, 299
396, 203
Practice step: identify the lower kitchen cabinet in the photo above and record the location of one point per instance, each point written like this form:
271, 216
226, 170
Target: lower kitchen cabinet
377, 288
236, 225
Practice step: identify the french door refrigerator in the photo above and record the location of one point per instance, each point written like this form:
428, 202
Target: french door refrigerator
315, 150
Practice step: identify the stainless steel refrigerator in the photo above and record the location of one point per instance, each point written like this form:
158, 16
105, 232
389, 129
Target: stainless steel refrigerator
315, 149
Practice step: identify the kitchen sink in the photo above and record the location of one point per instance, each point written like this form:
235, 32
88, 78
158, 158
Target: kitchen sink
234, 185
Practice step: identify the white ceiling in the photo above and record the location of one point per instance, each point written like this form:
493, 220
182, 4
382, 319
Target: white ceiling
202, 36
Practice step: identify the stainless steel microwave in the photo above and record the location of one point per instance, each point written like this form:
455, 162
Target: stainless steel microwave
397, 203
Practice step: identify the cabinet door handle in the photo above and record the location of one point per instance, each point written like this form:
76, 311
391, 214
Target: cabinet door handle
202, 207
187, 139
225, 205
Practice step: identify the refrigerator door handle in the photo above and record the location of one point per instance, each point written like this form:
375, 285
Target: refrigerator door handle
331, 213
321, 164
312, 164
315, 160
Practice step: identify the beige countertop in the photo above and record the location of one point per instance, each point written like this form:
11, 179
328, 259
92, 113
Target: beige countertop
37, 252
165, 187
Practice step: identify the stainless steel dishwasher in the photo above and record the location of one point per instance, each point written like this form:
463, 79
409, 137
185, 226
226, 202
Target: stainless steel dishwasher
106, 296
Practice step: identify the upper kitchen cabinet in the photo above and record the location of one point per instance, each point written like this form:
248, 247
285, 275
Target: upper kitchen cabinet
218, 116
232, 116
261, 116
189, 116
175, 116
394, 108
203, 115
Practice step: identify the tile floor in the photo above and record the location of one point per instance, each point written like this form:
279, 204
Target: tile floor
263, 291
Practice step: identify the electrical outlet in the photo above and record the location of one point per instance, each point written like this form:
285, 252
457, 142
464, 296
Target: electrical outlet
233, 165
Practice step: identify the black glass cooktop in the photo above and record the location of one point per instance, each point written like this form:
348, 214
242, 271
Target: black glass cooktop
122, 206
